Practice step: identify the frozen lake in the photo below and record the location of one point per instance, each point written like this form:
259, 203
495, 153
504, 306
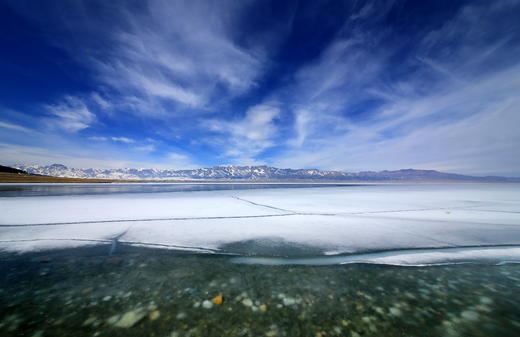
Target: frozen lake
272, 223
284, 260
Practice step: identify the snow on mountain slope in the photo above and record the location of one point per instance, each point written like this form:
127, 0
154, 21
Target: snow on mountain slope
251, 173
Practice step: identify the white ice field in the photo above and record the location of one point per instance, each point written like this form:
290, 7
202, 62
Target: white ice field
391, 224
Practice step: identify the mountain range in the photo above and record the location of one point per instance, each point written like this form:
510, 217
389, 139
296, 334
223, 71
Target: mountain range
256, 173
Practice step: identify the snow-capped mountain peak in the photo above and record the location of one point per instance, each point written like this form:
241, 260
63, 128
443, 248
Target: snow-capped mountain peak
249, 173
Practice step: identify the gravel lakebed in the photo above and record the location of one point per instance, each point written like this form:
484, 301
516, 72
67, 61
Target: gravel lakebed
149, 292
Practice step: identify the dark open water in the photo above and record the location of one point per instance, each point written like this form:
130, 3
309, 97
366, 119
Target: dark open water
27, 190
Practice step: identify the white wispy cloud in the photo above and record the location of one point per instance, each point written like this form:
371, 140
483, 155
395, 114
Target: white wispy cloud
101, 101
303, 117
123, 140
146, 148
450, 114
444, 98
142, 147
15, 127
98, 138
183, 52
250, 135
450, 130
341, 71
180, 161
71, 114
71, 156
36, 155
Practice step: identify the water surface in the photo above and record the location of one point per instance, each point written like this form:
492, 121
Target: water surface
85, 292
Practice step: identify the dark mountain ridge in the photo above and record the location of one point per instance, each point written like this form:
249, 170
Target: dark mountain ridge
7, 169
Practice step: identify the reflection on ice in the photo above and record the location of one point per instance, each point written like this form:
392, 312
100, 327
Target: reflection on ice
340, 219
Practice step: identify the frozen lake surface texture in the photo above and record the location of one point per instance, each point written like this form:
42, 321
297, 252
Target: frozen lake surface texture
249, 260
272, 224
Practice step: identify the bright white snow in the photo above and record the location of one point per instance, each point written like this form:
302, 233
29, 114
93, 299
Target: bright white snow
344, 219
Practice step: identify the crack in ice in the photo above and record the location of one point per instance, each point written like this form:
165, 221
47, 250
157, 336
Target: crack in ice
135, 243
264, 205
148, 220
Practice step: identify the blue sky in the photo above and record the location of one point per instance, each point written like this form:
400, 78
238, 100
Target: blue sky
343, 85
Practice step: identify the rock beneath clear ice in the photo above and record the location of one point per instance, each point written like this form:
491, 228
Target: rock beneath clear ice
207, 304
247, 302
395, 312
130, 318
470, 315
289, 301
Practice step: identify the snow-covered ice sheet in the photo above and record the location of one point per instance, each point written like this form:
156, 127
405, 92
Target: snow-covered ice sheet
397, 197
133, 206
349, 219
